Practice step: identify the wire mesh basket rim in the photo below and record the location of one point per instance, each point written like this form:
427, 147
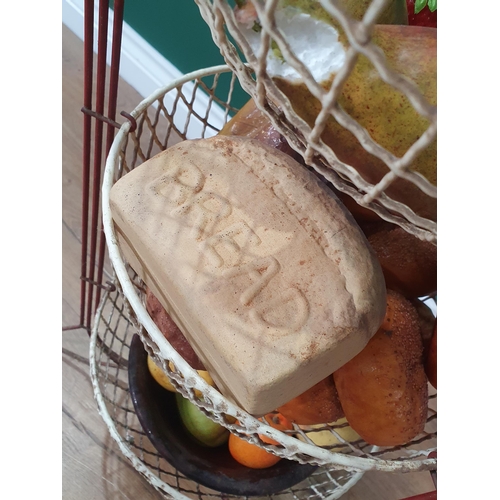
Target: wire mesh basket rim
140, 466
155, 481
318, 455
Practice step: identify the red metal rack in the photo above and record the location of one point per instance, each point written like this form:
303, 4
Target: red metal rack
95, 147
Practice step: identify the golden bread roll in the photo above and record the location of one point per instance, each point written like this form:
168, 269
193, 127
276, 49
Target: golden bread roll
318, 405
383, 390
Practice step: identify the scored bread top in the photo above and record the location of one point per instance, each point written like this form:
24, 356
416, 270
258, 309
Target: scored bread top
260, 265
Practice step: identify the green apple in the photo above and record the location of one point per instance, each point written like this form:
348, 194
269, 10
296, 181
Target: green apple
204, 430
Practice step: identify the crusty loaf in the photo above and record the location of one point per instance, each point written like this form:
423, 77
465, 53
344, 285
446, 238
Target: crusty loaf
261, 267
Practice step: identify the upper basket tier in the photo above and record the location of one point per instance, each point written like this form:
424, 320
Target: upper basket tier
351, 86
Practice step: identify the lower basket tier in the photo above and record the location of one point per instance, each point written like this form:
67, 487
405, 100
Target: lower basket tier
113, 356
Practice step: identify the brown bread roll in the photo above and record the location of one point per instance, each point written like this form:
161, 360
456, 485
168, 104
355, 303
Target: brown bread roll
427, 322
431, 359
171, 331
409, 263
250, 122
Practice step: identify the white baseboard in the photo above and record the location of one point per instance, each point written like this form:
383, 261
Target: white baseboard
141, 65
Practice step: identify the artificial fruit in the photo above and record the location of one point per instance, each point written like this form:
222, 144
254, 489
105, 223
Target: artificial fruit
386, 114
323, 437
422, 13
204, 430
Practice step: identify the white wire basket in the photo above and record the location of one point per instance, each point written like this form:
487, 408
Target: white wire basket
250, 56
180, 111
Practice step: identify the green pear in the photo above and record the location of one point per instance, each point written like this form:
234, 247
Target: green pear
396, 11
383, 111
204, 430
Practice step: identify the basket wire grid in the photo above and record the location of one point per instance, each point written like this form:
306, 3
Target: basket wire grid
110, 343
169, 115
250, 64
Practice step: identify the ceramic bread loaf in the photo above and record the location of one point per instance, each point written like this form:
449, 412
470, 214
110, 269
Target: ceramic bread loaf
258, 263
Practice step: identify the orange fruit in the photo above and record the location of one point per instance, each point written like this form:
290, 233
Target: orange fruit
253, 456
250, 455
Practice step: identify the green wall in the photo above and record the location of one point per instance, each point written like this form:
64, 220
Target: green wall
177, 31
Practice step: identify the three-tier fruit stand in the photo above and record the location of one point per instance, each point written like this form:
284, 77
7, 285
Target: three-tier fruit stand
113, 310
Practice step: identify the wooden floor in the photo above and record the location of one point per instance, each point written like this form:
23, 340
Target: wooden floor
93, 466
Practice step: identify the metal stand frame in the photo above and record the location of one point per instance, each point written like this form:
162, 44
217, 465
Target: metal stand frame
96, 146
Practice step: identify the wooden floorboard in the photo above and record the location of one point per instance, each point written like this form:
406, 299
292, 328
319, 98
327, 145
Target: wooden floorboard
93, 466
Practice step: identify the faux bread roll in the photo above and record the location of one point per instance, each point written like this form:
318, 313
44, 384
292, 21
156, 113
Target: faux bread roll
261, 267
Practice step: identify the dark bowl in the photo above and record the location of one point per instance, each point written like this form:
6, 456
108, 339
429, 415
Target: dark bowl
212, 467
